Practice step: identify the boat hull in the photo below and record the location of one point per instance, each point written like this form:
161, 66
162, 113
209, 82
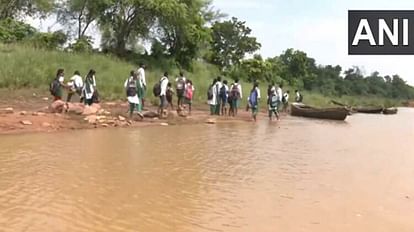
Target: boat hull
338, 114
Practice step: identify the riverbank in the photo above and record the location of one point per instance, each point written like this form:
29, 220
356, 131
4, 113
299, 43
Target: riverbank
21, 112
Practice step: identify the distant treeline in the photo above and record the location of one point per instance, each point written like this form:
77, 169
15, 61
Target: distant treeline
182, 32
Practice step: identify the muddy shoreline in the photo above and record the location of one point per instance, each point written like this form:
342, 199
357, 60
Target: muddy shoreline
21, 117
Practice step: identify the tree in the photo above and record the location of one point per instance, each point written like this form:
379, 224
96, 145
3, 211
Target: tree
231, 41
125, 21
182, 30
81, 14
17, 8
297, 65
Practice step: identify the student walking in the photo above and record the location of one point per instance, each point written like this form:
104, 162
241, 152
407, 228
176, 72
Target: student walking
217, 90
142, 85
163, 94
235, 97
285, 100
131, 87
76, 85
253, 100
169, 95
89, 89
180, 88
299, 97
224, 95
273, 104
189, 93
212, 95
57, 85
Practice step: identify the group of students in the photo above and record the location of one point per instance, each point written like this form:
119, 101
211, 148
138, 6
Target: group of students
224, 99
184, 90
85, 88
220, 95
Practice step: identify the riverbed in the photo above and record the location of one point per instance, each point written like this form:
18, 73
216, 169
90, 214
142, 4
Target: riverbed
294, 175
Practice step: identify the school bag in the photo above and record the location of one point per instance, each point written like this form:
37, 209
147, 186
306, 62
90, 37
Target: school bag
210, 94
180, 84
223, 93
253, 98
157, 89
131, 90
273, 100
189, 92
235, 93
54, 87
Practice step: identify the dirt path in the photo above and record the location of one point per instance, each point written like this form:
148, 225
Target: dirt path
29, 113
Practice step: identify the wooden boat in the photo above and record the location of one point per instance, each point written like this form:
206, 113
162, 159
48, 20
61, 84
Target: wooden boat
389, 111
369, 110
312, 112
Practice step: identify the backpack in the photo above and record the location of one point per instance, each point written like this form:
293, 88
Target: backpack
273, 100
253, 98
54, 87
223, 93
300, 97
189, 92
157, 89
235, 93
180, 83
131, 90
210, 94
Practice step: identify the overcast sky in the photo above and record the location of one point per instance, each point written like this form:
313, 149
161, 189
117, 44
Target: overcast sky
318, 27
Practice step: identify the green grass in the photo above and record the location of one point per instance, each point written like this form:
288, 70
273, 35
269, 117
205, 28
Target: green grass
26, 67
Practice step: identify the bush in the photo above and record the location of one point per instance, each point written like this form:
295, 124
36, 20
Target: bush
12, 31
83, 44
49, 40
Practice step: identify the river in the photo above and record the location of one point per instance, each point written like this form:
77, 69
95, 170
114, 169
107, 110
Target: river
296, 175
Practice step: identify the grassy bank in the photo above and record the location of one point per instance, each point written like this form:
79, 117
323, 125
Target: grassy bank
26, 67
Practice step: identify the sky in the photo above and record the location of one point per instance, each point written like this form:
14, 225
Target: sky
318, 27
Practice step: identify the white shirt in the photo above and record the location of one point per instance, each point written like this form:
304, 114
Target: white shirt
92, 88
178, 78
141, 77
286, 95
213, 101
297, 96
61, 79
279, 93
76, 81
164, 84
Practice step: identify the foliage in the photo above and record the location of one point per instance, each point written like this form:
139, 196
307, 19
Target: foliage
49, 40
84, 44
12, 31
19, 8
80, 14
231, 41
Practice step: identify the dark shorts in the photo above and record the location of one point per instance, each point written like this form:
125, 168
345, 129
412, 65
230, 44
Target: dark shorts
163, 101
180, 93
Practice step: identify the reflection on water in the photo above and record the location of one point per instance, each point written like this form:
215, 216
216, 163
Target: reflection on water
297, 175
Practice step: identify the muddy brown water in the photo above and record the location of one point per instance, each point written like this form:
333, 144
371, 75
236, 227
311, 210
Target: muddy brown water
297, 175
